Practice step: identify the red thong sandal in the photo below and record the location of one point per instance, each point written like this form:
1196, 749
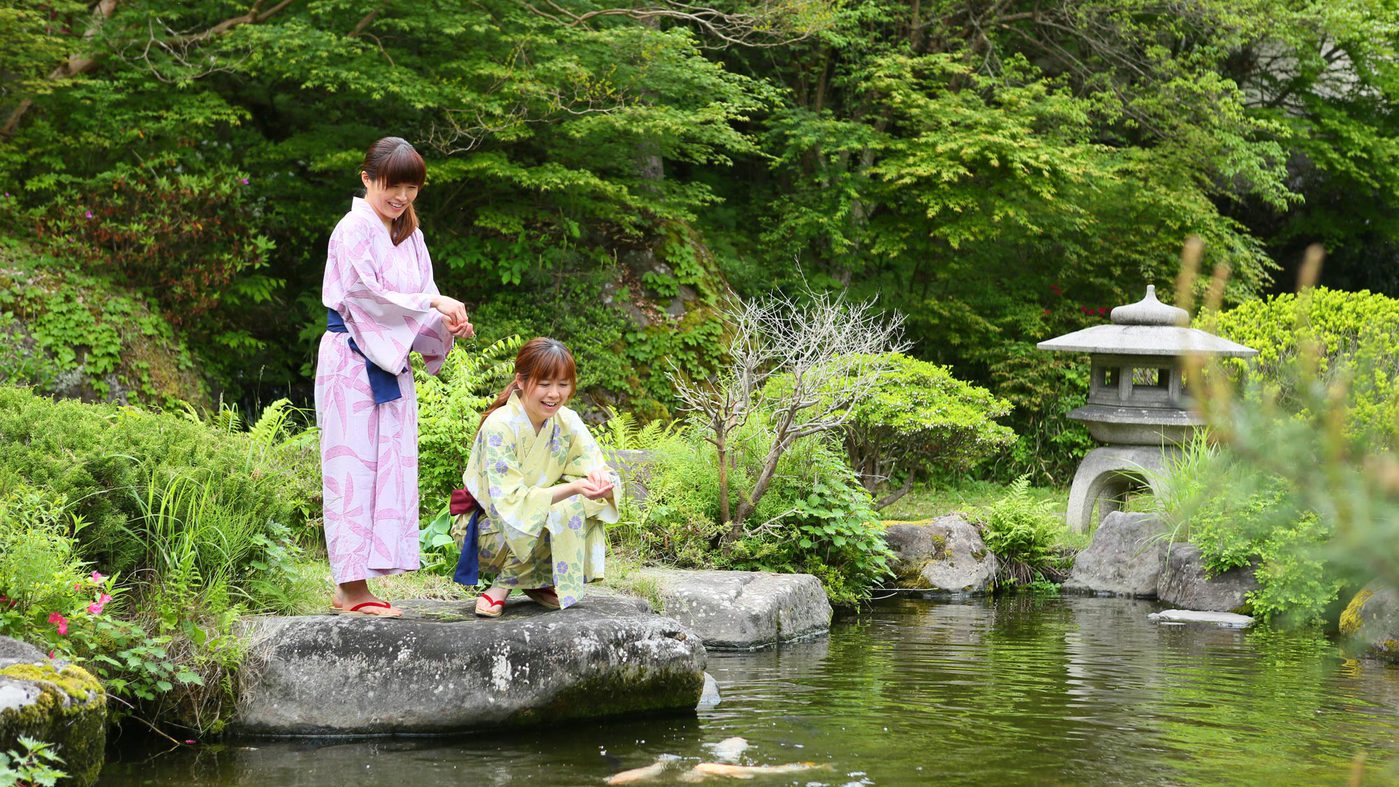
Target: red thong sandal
362, 609
544, 597
492, 607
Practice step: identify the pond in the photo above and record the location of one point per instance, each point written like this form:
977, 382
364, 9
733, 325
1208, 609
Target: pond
1011, 691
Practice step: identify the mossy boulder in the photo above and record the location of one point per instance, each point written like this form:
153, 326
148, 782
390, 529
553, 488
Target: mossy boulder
78, 336
945, 555
1371, 622
52, 701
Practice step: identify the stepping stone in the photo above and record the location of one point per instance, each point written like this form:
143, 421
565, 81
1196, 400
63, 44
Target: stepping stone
742, 610
1223, 619
439, 669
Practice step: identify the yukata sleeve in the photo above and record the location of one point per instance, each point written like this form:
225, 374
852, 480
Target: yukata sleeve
384, 324
498, 482
433, 342
584, 455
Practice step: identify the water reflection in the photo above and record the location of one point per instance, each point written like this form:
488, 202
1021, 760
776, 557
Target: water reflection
1016, 691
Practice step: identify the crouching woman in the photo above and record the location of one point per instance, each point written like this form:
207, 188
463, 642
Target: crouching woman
542, 491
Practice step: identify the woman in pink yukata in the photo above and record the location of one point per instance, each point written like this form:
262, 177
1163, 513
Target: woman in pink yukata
381, 304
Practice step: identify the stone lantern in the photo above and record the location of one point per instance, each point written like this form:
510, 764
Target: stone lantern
1138, 400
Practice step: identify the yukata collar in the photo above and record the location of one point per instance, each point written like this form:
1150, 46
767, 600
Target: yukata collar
517, 406
362, 206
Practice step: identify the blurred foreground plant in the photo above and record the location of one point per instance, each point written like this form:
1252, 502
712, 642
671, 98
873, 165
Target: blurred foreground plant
1294, 485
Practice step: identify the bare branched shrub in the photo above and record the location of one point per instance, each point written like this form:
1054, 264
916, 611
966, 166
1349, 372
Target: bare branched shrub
834, 351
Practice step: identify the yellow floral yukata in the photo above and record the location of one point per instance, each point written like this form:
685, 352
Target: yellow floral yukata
526, 540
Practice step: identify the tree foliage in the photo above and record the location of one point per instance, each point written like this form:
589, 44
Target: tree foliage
999, 172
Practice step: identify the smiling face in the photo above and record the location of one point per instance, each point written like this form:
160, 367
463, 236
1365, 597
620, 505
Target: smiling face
542, 398
388, 201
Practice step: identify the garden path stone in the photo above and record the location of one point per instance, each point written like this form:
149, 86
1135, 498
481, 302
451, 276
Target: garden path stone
1124, 559
440, 669
742, 610
1222, 619
55, 702
945, 555
1183, 583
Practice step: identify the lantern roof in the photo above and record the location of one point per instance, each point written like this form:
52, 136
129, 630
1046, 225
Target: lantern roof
1147, 327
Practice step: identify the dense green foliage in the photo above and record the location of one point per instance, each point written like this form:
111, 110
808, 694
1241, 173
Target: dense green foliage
920, 420
75, 334
191, 524
1343, 331
1022, 532
1000, 174
815, 518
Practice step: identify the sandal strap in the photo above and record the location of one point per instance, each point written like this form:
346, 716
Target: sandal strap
358, 607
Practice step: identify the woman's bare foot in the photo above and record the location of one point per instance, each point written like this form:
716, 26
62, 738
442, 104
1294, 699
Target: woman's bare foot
491, 603
356, 597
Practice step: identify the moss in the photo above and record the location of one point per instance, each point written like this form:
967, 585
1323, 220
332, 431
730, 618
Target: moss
1352, 619
70, 712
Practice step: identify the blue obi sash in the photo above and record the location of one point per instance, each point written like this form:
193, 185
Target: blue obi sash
383, 384
469, 563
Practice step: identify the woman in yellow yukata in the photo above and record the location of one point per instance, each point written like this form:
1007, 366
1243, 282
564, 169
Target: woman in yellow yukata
542, 490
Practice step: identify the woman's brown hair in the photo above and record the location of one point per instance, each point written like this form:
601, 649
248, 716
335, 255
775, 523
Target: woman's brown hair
392, 161
540, 359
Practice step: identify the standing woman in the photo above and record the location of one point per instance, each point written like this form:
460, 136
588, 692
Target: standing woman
381, 304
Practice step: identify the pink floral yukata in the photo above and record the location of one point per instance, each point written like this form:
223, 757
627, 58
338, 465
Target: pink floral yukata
369, 452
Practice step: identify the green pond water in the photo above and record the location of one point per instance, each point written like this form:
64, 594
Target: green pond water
1011, 691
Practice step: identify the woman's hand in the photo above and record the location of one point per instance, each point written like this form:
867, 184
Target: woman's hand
597, 485
454, 316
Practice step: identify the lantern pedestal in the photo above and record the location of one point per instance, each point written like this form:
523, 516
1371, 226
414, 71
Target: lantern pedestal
1107, 475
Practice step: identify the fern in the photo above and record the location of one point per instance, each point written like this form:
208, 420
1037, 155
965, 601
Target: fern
621, 432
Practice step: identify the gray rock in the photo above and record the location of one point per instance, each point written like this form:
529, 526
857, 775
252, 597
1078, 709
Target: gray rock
709, 698
1183, 583
945, 555
635, 469
55, 702
13, 651
742, 610
1371, 622
1124, 559
439, 669
1221, 619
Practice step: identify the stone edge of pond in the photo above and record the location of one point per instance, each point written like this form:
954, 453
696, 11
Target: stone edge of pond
738, 610
439, 670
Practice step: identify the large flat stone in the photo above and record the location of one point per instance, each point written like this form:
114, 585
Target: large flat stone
439, 669
1124, 559
945, 555
742, 610
1184, 584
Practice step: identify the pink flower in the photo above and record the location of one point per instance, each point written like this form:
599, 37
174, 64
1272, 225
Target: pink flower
189, 741
77, 586
244, 181
1048, 312
96, 607
88, 214
98, 576
1056, 289
51, 654
59, 621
